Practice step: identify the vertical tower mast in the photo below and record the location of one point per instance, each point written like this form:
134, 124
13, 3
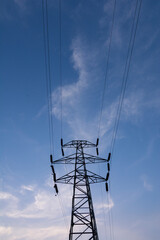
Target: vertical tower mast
82, 218
83, 222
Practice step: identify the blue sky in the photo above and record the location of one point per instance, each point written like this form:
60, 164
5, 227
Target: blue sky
29, 208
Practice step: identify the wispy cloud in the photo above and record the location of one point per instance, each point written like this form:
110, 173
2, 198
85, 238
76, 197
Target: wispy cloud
41, 112
7, 196
107, 12
151, 40
72, 95
84, 63
132, 105
146, 183
72, 92
106, 206
123, 15
27, 188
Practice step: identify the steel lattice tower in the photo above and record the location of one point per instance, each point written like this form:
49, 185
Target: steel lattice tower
83, 222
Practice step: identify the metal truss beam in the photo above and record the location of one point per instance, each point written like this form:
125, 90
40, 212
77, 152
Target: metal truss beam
89, 159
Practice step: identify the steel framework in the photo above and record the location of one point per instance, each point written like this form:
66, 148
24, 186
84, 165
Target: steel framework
83, 222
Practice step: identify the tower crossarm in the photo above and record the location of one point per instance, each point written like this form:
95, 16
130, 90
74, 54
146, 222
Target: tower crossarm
93, 159
81, 178
79, 143
70, 159
89, 159
95, 178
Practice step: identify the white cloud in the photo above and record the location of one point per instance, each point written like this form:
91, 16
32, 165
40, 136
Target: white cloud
33, 233
5, 230
41, 210
43, 205
33, 202
7, 196
8, 202
28, 187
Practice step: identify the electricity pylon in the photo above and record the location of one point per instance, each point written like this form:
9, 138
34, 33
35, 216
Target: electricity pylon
83, 222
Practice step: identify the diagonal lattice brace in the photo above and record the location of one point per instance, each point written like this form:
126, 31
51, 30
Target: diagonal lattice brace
69, 178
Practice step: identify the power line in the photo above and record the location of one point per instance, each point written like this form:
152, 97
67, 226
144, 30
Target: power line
62, 210
60, 62
103, 95
104, 215
49, 74
123, 88
126, 70
111, 223
48, 71
49, 84
107, 63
